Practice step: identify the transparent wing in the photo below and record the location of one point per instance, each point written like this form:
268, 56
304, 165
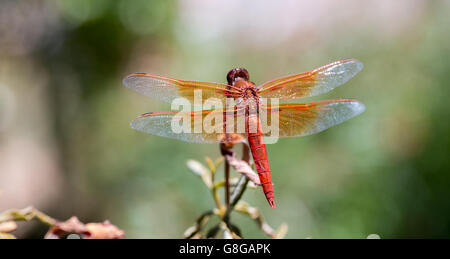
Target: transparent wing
206, 126
312, 83
167, 89
302, 119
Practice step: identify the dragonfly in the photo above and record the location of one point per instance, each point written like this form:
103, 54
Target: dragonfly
294, 119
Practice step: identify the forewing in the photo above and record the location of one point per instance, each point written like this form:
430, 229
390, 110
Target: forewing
312, 83
167, 89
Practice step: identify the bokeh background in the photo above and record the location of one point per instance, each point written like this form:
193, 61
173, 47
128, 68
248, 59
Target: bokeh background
66, 146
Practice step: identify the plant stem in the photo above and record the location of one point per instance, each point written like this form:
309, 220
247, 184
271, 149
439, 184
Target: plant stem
216, 197
214, 187
227, 184
26, 214
236, 196
199, 223
239, 190
241, 185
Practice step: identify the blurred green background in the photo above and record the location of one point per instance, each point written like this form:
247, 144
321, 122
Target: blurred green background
66, 146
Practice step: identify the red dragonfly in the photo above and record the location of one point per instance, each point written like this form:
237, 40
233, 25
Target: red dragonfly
294, 119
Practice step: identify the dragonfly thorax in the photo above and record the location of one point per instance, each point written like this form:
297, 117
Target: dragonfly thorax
249, 91
246, 88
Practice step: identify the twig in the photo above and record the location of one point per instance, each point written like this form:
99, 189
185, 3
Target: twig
58, 229
226, 150
227, 184
214, 187
27, 214
227, 232
255, 214
236, 196
239, 190
232, 200
242, 184
216, 197
199, 223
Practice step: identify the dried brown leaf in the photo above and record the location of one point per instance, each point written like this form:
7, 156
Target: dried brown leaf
200, 170
8, 226
7, 236
243, 168
281, 232
103, 230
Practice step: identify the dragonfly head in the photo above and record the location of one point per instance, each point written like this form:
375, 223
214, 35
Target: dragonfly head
236, 73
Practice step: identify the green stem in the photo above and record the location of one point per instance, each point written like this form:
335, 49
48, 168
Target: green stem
227, 184
26, 214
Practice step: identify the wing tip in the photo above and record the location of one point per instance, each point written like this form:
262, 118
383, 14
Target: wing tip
126, 78
357, 106
135, 120
358, 64
132, 124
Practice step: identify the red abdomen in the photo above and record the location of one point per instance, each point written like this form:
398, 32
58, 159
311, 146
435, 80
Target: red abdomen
258, 148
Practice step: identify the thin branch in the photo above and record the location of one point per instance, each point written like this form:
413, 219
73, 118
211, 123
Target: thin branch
227, 184
216, 197
27, 214
199, 223
255, 214
214, 187
227, 232
242, 184
58, 229
232, 200
239, 190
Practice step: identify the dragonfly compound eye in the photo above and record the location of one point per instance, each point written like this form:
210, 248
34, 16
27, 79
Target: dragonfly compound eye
237, 72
